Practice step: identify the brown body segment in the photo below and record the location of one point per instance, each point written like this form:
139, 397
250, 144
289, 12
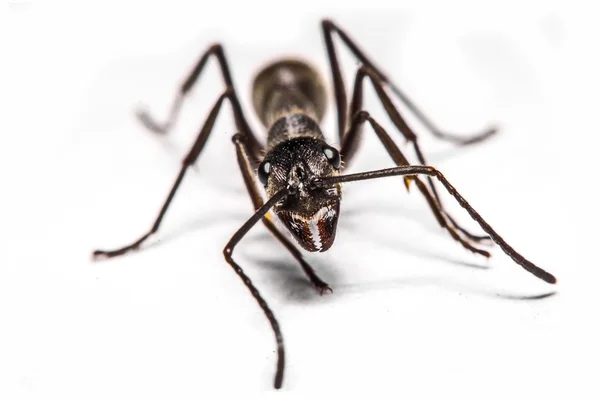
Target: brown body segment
288, 87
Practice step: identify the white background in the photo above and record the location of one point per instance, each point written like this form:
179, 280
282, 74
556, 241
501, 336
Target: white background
412, 314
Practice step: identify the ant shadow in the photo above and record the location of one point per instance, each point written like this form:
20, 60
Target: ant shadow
423, 216
352, 226
292, 286
444, 283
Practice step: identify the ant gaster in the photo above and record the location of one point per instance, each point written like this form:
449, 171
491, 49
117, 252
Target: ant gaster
301, 173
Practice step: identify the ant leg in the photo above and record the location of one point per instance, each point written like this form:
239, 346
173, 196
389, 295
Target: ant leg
240, 120
412, 171
190, 159
247, 168
340, 94
357, 121
405, 130
350, 142
228, 252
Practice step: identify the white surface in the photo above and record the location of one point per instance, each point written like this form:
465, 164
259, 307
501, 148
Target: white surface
412, 314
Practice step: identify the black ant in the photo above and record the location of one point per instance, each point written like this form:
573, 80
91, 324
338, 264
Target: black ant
301, 173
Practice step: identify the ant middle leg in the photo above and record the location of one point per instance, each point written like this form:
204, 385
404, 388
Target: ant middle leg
329, 27
350, 140
187, 162
394, 151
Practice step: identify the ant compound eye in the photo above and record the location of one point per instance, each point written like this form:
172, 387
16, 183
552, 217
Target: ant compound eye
263, 172
333, 156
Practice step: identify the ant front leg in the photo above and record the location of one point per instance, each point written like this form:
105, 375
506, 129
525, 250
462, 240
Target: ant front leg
188, 161
329, 27
228, 253
238, 115
247, 169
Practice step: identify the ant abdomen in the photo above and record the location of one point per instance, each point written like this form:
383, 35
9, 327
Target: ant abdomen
287, 87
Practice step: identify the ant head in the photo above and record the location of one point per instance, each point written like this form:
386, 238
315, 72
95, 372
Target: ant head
310, 212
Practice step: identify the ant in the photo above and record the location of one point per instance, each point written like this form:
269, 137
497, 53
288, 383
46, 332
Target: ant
301, 173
